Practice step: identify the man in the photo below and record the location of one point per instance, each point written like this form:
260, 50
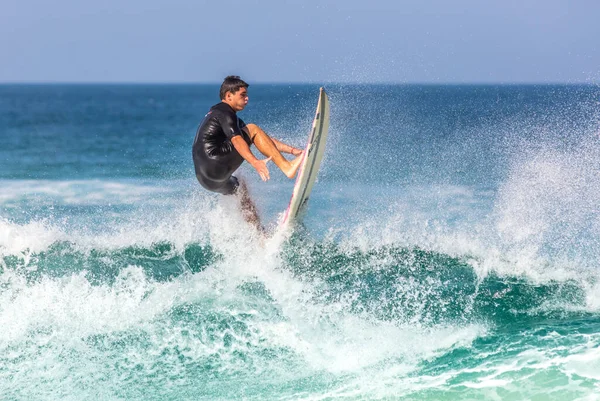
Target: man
223, 142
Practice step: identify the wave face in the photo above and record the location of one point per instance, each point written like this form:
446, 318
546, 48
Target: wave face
451, 248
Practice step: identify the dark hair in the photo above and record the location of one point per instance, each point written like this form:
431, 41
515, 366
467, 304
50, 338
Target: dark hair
232, 83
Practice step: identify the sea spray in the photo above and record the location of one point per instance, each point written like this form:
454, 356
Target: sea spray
450, 250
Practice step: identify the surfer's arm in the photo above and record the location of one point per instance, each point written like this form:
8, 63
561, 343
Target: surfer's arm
244, 150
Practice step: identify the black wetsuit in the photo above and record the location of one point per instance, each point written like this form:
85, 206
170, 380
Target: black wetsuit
215, 157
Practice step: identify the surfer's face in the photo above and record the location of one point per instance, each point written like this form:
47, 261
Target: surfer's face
237, 100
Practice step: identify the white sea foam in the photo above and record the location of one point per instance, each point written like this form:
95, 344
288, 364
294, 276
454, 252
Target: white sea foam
82, 192
35, 236
181, 220
64, 312
59, 314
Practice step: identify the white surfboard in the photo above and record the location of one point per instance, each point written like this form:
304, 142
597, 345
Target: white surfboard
307, 172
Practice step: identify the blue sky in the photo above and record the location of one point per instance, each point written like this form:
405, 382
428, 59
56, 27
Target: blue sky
364, 41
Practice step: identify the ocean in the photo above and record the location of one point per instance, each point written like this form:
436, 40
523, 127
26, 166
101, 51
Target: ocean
450, 250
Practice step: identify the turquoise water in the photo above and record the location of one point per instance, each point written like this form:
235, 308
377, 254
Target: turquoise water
451, 249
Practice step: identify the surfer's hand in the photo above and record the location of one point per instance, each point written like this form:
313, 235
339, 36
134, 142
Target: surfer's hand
261, 168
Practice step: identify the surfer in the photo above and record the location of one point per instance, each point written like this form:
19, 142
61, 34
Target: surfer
223, 142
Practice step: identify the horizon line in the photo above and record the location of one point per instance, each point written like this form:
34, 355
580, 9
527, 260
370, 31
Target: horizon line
174, 83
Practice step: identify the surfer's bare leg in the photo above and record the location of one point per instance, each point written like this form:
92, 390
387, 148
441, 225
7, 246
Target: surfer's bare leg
273, 148
284, 148
249, 210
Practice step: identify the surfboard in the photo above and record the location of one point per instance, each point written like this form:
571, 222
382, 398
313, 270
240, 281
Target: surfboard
311, 161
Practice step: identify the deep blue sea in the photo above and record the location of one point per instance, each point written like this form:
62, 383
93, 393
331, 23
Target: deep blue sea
450, 251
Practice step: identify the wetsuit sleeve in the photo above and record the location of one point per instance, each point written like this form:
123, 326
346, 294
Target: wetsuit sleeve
241, 123
245, 135
229, 124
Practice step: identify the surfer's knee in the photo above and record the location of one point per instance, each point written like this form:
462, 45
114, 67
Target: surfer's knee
253, 130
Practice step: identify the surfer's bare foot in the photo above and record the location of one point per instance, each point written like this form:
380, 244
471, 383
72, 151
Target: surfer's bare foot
291, 171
